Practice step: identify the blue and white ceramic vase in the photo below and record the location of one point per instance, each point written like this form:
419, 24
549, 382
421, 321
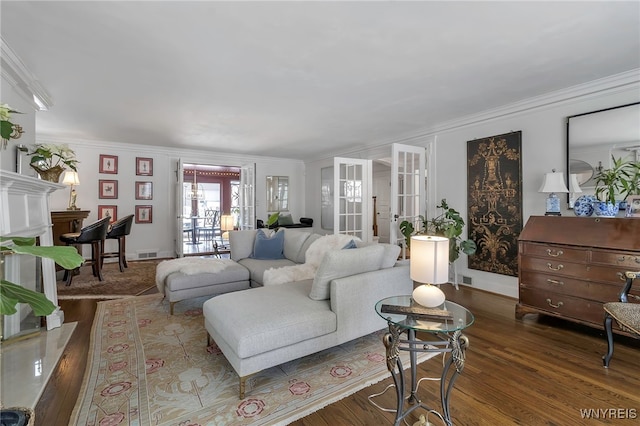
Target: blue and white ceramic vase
606, 209
583, 206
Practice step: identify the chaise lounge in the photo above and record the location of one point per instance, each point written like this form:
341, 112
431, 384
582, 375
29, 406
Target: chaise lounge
332, 302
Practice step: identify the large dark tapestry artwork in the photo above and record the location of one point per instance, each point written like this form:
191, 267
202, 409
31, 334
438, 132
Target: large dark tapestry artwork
494, 202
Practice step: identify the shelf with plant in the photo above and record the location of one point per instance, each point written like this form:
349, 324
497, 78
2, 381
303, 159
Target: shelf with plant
8, 130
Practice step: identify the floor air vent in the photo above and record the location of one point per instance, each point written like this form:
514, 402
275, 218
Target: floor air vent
147, 254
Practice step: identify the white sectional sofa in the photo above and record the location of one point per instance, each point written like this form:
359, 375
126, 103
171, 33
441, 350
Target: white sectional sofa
266, 326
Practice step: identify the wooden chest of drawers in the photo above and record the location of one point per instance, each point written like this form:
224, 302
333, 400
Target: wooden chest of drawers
570, 266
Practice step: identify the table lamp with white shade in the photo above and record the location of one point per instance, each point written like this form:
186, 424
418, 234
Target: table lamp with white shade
574, 188
226, 225
553, 183
71, 179
429, 265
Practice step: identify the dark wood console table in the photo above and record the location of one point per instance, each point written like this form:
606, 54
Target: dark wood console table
66, 221
571, 266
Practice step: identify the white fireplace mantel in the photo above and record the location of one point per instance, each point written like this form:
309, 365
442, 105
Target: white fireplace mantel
24, 203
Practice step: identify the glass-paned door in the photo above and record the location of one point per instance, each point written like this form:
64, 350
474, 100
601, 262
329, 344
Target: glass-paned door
353, 205
181, 214
407, 189
247, 196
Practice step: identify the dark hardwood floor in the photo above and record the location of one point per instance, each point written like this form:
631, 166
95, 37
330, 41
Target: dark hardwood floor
537, 371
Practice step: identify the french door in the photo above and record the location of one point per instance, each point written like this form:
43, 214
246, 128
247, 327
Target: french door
248, 196
353, 205
407, 190
180, 217
184, 225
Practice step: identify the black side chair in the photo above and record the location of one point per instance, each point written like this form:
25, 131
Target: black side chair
118, 231
93, 234
627, 315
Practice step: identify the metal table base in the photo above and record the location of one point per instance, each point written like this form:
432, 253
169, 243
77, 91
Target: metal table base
455, 344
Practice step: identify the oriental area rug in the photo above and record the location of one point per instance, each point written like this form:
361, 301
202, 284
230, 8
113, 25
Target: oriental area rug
147, 367
137, 279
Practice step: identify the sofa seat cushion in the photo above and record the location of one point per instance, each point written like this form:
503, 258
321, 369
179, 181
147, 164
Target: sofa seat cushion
262, 319
233, 272
257, 267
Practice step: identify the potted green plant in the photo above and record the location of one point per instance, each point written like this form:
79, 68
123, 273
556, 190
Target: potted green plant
407, 229
621, 180
450, 224
11, 294
8, 130
51, 160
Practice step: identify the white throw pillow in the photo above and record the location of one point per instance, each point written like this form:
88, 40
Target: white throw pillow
344, 263
390, 257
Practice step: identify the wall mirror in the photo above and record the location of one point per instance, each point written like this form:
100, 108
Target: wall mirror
593, 137
277, 193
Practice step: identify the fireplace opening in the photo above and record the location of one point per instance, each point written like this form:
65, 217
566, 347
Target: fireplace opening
26, 271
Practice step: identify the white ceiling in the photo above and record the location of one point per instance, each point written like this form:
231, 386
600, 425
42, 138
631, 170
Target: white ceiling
301, 79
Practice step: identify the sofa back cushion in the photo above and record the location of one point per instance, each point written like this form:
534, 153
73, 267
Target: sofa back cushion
294, 240
241, 243
268, 247
344, 263
302, 254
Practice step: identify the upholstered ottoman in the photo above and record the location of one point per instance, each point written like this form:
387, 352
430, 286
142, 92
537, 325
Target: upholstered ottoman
186, 278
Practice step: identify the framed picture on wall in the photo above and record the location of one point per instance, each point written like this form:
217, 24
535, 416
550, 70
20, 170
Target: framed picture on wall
144, 214
144, 166
107, 189
144, 190
108, 164
633, 206
111, 211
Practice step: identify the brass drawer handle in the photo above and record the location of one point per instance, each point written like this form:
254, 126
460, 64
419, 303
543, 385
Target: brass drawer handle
554, 306
550, 266
556, 253
633, 296
549, 280
621, 276
633, 258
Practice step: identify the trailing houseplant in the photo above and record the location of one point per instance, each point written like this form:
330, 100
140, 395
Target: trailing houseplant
621, 180
450, 224
11, 294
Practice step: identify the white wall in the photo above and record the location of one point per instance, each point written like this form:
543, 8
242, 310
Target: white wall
542, 122
160, 234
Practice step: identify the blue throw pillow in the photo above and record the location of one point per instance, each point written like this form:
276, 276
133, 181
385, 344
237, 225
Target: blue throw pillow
268, 248
350, 245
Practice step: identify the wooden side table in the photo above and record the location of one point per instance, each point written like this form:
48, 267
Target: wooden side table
66, 221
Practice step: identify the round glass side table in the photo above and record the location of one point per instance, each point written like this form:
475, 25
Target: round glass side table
448, 338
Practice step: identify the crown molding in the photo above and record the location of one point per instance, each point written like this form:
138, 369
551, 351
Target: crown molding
189, 155
600, 87
24, 81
